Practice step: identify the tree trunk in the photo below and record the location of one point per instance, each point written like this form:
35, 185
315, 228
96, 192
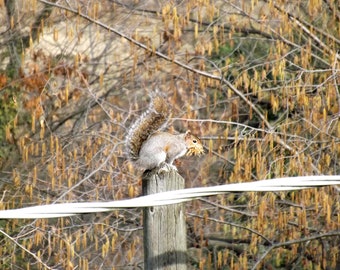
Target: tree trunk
164, 226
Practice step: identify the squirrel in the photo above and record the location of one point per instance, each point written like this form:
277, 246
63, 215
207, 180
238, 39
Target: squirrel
148, 148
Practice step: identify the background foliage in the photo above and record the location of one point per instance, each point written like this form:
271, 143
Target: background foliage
258, 81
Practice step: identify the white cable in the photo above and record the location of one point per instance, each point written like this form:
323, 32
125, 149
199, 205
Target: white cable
170, 197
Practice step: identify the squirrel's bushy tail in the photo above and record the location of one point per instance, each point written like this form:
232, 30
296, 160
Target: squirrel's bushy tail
149, 122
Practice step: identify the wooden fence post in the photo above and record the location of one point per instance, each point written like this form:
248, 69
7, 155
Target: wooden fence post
165, 242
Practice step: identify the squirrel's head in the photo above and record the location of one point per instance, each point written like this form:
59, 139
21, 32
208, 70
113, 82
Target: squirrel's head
194, 144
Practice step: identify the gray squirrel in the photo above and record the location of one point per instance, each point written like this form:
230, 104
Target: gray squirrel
148, 148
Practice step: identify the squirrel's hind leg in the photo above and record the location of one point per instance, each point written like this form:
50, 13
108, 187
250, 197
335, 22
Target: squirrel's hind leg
161, 169
166, 167
150, 161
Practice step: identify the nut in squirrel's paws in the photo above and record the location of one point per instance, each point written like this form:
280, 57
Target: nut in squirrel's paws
195, 151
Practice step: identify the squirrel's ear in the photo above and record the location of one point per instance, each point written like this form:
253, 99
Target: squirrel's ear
187, 134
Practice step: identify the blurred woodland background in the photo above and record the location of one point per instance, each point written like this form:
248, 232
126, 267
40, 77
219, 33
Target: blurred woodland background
257, 80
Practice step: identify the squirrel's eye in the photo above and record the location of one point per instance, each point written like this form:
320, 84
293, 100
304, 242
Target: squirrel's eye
194, 141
